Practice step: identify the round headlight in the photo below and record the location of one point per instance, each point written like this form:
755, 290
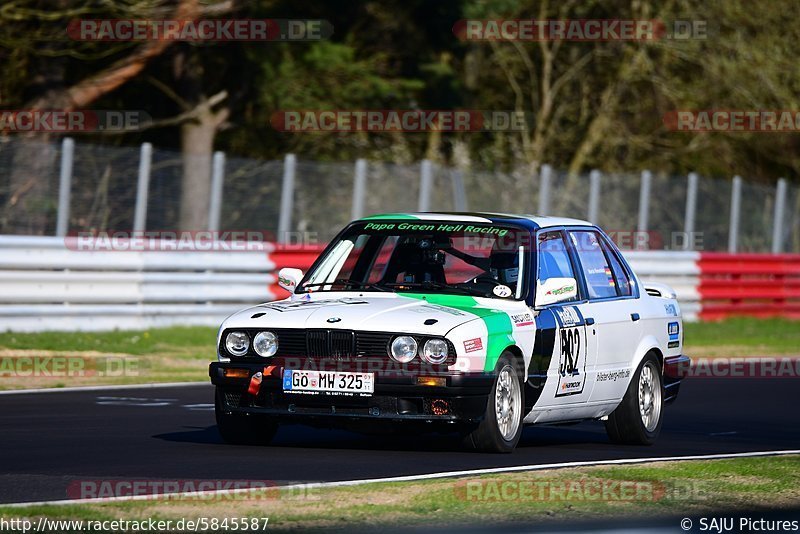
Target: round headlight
265, 344
435, 351
237, 343
404, 348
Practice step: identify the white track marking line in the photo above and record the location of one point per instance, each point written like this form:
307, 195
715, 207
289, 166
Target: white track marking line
408, 478
104, 388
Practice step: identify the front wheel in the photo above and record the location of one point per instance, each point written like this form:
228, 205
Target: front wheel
638, 418
501, 427
239, 429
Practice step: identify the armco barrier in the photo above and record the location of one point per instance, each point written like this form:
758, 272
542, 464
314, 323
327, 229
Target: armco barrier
760, 285
47, 285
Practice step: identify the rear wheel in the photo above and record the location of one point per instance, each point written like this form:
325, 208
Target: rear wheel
501, 427
638, 418
240, 429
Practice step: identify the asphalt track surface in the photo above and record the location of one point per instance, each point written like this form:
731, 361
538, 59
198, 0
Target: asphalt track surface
50, 440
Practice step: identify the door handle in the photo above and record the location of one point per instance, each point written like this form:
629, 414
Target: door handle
589, 321
635, 317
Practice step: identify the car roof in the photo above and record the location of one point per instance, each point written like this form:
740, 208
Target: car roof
531, 221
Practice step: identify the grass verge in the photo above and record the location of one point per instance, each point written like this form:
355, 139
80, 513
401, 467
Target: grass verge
640, 491
61, 359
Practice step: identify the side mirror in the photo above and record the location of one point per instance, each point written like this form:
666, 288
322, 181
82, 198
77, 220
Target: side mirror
288, 278
555, 290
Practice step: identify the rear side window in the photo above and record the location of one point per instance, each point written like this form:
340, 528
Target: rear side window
620, 275
600, 279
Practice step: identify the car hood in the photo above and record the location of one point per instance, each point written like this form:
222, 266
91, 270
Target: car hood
432, 314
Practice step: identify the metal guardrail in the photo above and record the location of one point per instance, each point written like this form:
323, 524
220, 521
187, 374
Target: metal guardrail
45, 284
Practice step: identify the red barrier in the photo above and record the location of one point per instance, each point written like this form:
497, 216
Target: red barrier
760, 285
299, 257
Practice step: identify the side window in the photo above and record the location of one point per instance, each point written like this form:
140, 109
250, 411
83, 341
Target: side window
600, 279
553, 257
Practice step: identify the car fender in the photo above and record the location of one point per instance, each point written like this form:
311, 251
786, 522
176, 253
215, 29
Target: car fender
648, 343
480, 342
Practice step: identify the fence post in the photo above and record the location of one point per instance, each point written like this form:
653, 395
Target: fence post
287, 198
691, 209
544, 189
425, 186
594, 195
359, 189
644, 202
777, 221
217, 181
140, 212
459, 192
65, 186
736, 208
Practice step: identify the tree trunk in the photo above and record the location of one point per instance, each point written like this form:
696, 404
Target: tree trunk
197, 145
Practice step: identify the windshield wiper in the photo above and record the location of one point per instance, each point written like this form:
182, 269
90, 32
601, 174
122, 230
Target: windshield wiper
438, 285
347, 281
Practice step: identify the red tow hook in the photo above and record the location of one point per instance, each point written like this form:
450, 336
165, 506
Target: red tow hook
255, 384
256, 379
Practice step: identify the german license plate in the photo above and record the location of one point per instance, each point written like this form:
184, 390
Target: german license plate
331, 382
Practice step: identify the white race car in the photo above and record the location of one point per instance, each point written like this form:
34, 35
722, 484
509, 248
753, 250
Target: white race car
476, 323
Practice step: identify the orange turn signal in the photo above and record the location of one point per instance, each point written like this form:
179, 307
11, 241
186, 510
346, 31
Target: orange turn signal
436, 381
236, 373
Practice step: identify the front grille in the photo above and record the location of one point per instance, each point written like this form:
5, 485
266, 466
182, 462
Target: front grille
330, 344
372, 344
316, 343
341, 344
291, 342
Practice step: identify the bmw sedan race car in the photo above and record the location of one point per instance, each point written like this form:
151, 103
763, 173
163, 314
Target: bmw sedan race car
475, 323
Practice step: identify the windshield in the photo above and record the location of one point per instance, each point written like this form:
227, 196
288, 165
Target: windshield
430, 256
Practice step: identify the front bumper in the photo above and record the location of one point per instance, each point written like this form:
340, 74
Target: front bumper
397, 396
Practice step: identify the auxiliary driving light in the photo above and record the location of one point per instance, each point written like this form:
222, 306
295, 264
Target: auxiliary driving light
440, 407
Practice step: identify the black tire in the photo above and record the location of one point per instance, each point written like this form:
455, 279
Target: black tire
239, 429
627, 424
488, 436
